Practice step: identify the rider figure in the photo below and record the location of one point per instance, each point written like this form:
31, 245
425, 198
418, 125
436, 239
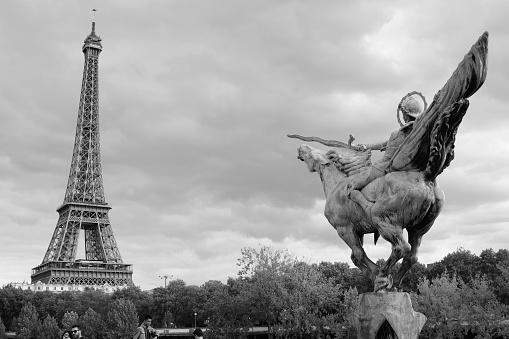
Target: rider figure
411, 109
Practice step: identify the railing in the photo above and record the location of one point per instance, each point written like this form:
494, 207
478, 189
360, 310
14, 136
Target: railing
82, 266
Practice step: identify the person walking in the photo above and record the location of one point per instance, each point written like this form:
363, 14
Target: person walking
145, 330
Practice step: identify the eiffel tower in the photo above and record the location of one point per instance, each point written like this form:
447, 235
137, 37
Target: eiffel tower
84, 206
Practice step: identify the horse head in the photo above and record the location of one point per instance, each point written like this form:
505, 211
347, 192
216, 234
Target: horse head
313, 157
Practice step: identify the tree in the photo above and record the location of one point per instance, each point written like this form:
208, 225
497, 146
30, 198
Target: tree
44, 302
179, 299
49, 328
169, 319
455, 308
261, 273
488, 264
312, 303
226, 309
92, 325
501, 282
122, 319
93, 299
12, 301
462, 263
211, 289
291, 296
345, 276
28, 323
495, 265
162, 302
412, 278
69, 319
142, 300
192, 300
3, 335
65, 301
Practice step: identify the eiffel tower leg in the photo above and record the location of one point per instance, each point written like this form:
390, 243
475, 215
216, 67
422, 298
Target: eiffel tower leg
64, 243
110, 244
57, 239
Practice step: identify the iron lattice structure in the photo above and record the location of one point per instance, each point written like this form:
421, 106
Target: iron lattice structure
84, 206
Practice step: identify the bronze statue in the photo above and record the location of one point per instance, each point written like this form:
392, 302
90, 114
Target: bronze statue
399, 191
411, 110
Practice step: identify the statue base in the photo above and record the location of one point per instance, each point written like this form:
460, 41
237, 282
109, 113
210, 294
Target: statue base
387, 315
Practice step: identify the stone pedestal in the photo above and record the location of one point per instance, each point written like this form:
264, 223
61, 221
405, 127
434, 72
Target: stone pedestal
387, 315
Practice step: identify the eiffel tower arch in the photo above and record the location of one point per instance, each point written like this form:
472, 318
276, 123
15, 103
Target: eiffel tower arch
84, 207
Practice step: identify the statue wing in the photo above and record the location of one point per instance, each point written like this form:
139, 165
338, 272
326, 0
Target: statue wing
430, 145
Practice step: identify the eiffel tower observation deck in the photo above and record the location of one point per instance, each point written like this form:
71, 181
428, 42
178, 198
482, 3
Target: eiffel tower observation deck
84, 207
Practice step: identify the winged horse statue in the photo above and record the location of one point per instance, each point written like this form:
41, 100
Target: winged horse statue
406, 195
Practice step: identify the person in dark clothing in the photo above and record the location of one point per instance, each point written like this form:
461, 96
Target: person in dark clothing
76, 332
198, 333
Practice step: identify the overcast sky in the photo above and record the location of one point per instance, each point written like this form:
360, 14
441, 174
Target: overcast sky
196, 99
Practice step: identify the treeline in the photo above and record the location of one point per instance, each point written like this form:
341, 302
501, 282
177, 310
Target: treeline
463, 294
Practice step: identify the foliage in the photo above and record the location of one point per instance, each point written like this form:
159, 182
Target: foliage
466, 266
169, 319
291, 296
261, 274
462, 263
179, 300
455, 308
346, 277
12, 301
274, 288
495, 266
64, 302
44, 302
263, 260
142, 300
501, 282
93, 299
122, 319
412, 278
49, 328
308, 299
28, 323
92, 325
3, 334
69, 319
226, 309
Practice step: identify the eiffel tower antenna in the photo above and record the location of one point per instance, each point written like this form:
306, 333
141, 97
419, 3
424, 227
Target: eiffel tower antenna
84, 207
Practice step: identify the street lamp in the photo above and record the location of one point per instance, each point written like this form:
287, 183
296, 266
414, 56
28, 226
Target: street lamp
195, 319
165, 277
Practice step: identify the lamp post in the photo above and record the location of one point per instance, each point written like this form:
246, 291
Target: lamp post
165, 277
195, 319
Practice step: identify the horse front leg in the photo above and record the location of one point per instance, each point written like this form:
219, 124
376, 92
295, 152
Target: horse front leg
359, 256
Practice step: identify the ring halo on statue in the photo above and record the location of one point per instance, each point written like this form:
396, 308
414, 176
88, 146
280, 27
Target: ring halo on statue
403, 99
